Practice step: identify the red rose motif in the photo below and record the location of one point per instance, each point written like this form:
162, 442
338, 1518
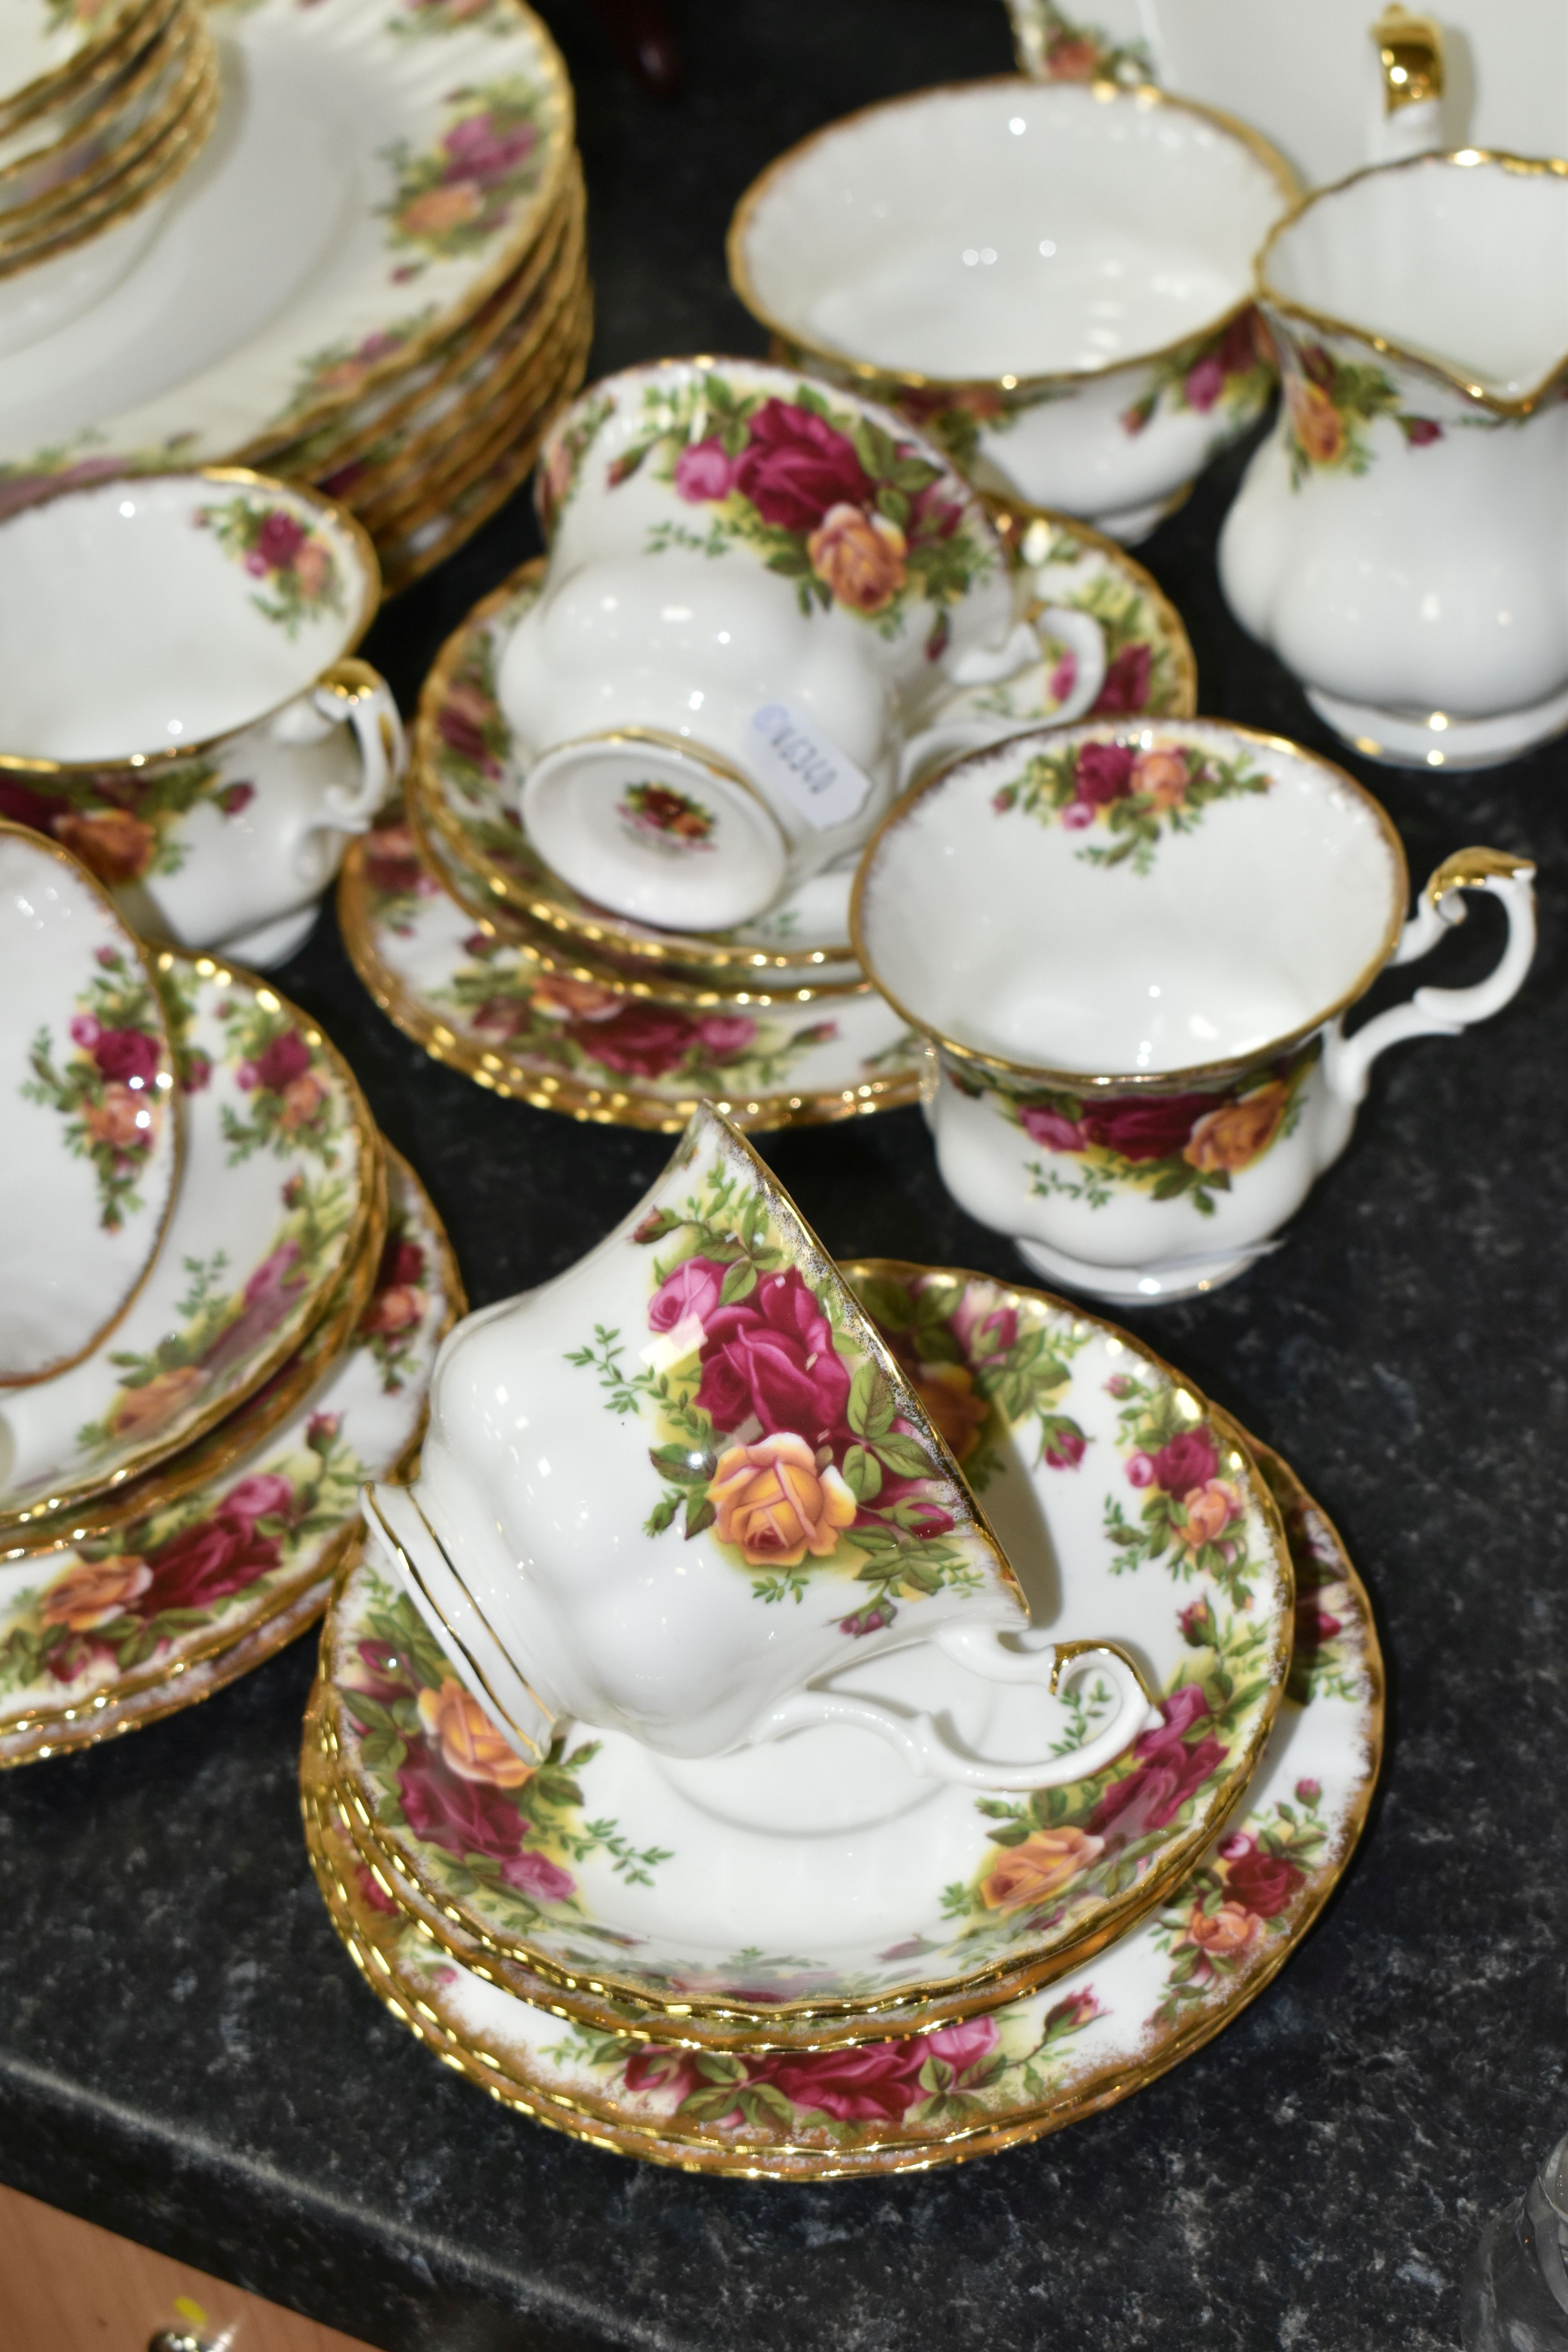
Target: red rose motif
1064, 1449
796, 466
460, 1816
692, 1289
1166, 1774
772, 1355
269, 1296
645, 1041
1126, 688
287, 1058
704, 471
1420, 432
1146, 1127
127, 1057
1204, 382
402, 1264
1264, 1883
880, 2082
1186, 1461
279, 541
1315, 1625
219, 1556
1102, 773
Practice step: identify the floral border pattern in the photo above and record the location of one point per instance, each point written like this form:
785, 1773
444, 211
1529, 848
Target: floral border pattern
108, 1090
270, 543
1137, 791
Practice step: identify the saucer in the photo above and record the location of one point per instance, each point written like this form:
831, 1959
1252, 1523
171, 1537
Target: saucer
277, 1181
377, 171
93, 1134
1166, 1987
240, 1432
818, 1884
473, 999
92, 1638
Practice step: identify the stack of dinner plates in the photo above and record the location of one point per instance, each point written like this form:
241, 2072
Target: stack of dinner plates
469, 941
375, 279
220, 1300
102, 108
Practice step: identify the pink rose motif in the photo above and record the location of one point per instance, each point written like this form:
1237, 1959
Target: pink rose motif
1188, 1460
1168, 1773
85, 1031
1420, 432
868, 1620
1078, 815
264, 1496
880, 2081
1140, 1468
1048, 1127
796, 466
481, 152
1308, 1793
1064, 1448
1315, 1625
1126, 688
984, 1334
534, 1874
772, 1355
1204, 382
1064, 677
1104, 774
269, 1296
691, 1289
195, 1072
704, 471
727, 1035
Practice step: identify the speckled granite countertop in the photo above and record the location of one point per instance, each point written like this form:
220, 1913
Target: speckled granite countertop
185, 2053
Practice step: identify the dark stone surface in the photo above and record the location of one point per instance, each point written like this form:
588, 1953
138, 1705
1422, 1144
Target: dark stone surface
185, 2053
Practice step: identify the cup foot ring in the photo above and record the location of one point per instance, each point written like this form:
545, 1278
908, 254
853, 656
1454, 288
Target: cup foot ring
1405, 739
1157, 1284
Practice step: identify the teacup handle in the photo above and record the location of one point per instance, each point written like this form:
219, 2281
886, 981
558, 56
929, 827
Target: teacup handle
1084, 637
1444, 1012
353, 691
926, 1748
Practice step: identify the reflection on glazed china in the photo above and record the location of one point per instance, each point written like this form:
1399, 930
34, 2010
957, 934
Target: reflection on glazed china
1132, 949
1045, 276
176, 703
1399, 539
682, 1489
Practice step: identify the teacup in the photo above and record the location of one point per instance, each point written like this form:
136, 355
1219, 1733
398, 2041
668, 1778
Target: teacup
755, 590
177, 701
1054, 281
678, 1490
1131, 948
1398, 539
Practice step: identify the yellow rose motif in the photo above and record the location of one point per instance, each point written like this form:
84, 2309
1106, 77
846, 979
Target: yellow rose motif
1225, 1933
776, 1505
947, 1392
1163, 775
469, 1740
1316, 420
95, 1591
440, 210
1237, 1134
122, 1119
112, 842
859, 556
1041, 1866
156, 1402
1210, 1510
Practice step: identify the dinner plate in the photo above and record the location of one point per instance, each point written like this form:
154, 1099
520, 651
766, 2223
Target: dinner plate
85, 1634
953, 2092
93, 1132
378, 168
277, 1182
733, 1890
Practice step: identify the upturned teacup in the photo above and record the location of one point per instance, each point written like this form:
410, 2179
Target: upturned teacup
757, 588
681, 1488
1398, 540
178, 701
1055, 282
1132, 949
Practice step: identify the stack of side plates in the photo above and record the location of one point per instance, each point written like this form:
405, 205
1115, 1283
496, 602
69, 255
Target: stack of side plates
374, 278
223, 1302
476, 949
744, 1965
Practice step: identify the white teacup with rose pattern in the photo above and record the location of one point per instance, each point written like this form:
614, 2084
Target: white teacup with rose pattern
757, 591
178, 703
681, 1488
1131, 947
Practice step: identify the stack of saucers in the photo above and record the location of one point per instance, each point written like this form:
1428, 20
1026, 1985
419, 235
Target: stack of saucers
376, 280
697, 1842
495, 964
103, 109
222, 1297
